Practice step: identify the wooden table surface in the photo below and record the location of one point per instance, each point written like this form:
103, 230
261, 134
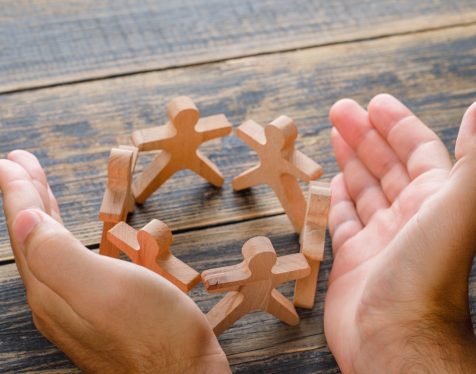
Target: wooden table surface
76, 77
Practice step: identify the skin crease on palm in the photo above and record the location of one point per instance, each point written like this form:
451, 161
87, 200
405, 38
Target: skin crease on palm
403, 227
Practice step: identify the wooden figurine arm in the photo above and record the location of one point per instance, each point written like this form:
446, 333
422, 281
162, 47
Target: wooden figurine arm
116, 200
312, 242
314, 232
114, 206
304, 168
153, 138
290, 267
179, 273
213, 127
227, 278
135, 154
252, 134
124, 237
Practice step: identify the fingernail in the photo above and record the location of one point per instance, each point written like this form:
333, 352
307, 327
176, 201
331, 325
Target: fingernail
24, 224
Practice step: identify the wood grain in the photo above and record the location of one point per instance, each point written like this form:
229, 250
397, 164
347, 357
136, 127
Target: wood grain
256, 343
72, 128
49, 42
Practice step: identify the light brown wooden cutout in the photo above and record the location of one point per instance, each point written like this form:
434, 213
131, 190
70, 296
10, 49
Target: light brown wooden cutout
251, 285
118, 200
150, 247
280, 165
178, 140
313, 238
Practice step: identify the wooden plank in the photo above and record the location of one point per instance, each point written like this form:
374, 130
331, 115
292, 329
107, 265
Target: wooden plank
256, 343
50, 42
72, 128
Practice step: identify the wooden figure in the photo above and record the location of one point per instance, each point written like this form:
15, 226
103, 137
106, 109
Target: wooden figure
118, 200
179, 141
251, 285
280, 165
312, 242
150, 247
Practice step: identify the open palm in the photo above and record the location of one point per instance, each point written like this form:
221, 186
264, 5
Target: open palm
387, 227
107, 315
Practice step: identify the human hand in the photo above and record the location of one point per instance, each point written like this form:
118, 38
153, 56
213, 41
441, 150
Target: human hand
107, 315
403, 227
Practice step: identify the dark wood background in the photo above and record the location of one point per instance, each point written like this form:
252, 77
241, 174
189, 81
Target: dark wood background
76, 77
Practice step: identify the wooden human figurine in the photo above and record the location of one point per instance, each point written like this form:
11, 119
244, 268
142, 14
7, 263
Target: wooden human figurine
179, 141
150, 247
280, 165
118, 200
251, 285
312, 242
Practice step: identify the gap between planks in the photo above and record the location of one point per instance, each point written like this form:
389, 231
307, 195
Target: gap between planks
95, 246
133, 72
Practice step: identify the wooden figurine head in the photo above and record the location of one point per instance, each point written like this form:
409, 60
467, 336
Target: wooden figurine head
183, 112
154, 239
281, 133
260, 257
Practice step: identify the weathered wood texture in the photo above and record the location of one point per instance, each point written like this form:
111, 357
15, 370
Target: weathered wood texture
274, 346
72, 128
256, 343
49, 42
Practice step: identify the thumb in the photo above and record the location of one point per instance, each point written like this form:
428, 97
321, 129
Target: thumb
59, 260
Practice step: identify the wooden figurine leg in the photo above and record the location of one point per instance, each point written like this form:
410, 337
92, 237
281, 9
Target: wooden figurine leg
280, 307
152, 177
305, 290
292, 200
208, 170
247, 179
226, 312
131, 203
106, 248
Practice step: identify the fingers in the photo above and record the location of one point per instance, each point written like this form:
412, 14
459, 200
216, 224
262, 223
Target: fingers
362, 186
416, 145
344, 222
439, 241
55, 210
18, 194
353, 124
32, 166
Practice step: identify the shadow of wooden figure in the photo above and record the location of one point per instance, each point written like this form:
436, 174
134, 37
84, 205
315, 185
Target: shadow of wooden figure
251, 285
280, 165
118, 200
150, 247
312, 239
178, 140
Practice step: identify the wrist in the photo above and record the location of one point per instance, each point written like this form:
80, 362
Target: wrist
422, 346
211, 364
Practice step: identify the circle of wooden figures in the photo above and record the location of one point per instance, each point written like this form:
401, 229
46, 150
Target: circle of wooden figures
251, 285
